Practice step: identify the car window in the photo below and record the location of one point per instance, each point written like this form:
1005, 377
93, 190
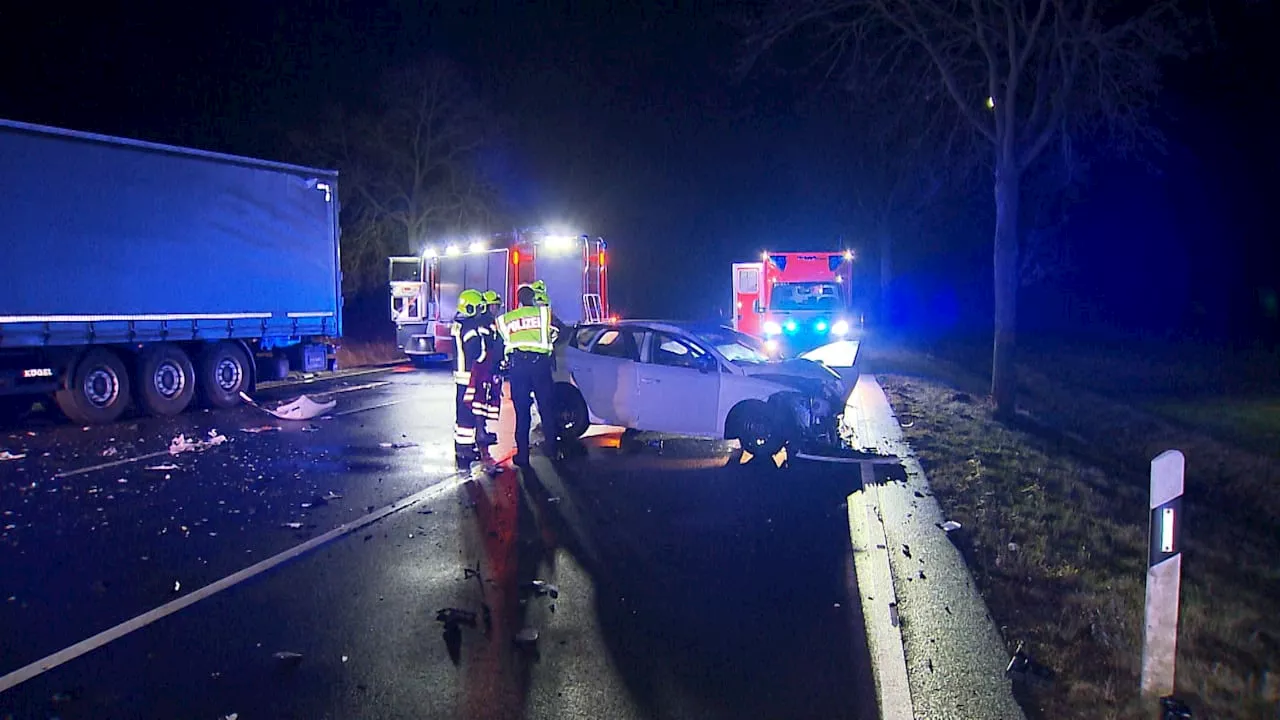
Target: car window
582, 338
671, 351
617, 344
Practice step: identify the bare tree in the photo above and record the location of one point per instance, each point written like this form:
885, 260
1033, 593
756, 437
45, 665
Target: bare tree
1015, 74
410, 166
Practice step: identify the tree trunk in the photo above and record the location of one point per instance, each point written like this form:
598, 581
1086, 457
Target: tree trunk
1004, 381
886, 276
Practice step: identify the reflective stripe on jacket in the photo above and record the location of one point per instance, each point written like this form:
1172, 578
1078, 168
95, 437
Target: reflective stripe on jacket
528, 329
468, 348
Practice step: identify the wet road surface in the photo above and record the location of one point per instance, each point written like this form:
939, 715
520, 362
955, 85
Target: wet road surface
688, 584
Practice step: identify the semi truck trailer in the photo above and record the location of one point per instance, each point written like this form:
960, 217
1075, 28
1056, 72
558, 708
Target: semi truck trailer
135, 273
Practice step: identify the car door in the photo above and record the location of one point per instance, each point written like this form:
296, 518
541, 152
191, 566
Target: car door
677, 387
606, 375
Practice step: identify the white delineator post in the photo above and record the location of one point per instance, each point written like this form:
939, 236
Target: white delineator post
1164, 575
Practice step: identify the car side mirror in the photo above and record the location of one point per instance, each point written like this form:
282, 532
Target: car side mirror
705, 363
757, 306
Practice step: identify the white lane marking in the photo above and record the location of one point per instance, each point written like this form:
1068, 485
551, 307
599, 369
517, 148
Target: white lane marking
113, 463
360, 410
72, 652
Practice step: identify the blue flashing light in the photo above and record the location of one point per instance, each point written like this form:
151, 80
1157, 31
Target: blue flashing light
820, 326
791, 326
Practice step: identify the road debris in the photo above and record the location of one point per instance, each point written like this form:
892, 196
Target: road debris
1024, 669
288, 658
541, 587
177, 586
181, 443
292, 525
260, 429
453, 617
949, 526
165, 467
110, 452
397, 445
302, 408
527, 636
5, 455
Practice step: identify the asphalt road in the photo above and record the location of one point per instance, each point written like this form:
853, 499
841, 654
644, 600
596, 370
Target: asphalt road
689, 584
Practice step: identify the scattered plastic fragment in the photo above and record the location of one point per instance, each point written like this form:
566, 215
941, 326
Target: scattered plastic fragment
397, 445
453, 617
541, 587
303, 408
177, 586
950, 525
1023, 668
260, 429
527, 636
232, 716
6, 455
345, 658
331, 495
286, 657
110, 452
181, 443
292, 525
165, 467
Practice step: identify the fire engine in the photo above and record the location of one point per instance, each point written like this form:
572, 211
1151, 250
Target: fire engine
796, 301
424, 288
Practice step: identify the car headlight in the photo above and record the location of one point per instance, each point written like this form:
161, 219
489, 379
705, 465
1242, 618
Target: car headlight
772, 328
841, 328
771, 346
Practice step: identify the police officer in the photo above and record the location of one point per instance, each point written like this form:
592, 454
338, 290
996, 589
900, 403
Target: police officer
486, 383
469, 348
529, 338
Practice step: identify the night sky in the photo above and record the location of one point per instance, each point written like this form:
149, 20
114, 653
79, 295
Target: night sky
624, 121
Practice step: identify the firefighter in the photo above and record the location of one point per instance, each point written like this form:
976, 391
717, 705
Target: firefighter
486, 384
529, 340
469, 348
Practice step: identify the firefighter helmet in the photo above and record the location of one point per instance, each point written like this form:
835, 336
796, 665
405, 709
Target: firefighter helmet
470, 302
492, 298
540, 292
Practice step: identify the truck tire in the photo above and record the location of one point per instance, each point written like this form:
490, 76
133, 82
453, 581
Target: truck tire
98, 392
571, 408
757, 427
166, 380
223, 374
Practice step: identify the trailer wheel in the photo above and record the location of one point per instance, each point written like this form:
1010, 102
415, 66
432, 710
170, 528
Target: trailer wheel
571, 409
166, 380
99, 389
756, 426
224, 374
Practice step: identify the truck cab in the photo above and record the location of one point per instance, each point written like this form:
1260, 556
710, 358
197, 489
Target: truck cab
796, 301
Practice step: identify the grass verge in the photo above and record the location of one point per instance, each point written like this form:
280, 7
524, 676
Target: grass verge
1056, 507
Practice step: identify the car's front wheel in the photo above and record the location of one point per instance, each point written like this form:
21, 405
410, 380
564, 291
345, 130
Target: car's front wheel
757, 427
571, 410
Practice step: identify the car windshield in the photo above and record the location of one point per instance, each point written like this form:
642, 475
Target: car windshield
805, 296
736, 347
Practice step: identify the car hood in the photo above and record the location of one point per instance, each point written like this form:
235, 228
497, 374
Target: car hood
805, 375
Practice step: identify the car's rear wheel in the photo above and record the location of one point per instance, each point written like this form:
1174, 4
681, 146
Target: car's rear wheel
757, 427
571, 410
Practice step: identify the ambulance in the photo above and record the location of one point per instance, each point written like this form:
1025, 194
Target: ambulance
796, 301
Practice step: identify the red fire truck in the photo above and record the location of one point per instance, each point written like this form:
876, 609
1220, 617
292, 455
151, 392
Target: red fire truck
796, 301
424, 288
